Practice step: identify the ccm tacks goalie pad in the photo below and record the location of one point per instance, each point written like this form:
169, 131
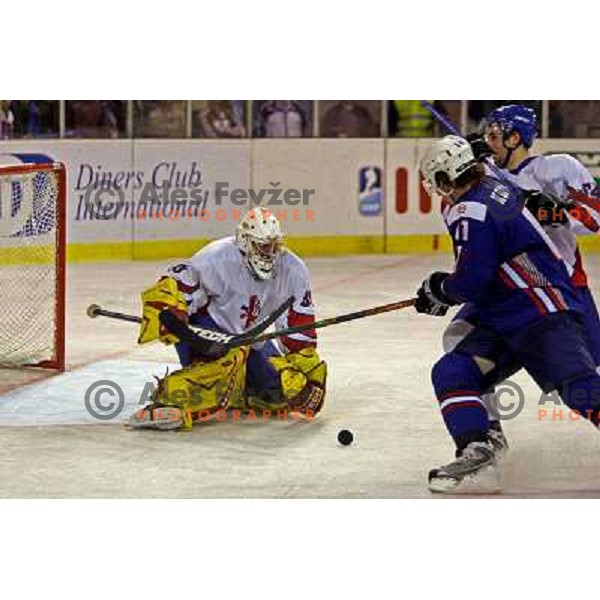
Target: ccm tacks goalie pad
303, 377
195, 393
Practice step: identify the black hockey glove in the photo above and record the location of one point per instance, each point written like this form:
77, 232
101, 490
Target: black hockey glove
480, 148
431, 298
547, 209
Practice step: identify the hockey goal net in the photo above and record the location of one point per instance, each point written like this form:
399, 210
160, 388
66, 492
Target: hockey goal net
32, 265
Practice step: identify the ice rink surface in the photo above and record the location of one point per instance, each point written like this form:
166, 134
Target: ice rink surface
378, 387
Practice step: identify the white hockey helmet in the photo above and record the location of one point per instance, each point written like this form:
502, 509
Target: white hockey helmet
259, 238
451, 155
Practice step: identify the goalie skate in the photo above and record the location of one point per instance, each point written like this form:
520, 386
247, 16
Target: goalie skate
474, 472
156, 416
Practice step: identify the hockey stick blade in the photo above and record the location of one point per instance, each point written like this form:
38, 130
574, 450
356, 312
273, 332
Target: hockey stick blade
269, 320
251, 334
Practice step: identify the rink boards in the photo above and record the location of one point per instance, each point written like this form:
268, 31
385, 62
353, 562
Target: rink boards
334, 196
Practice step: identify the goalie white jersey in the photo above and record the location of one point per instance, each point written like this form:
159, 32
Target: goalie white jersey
217, 282
563, 176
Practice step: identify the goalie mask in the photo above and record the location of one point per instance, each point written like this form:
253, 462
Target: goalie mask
260, 239
445, 161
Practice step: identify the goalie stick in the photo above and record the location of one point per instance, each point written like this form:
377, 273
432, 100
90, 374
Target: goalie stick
227, 341
210, 341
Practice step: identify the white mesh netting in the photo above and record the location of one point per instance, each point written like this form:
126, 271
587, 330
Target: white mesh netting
28, 269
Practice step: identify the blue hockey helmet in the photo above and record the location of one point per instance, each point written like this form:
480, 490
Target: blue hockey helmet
515, 117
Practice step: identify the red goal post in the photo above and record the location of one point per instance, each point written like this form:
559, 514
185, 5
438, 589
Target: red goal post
33, 265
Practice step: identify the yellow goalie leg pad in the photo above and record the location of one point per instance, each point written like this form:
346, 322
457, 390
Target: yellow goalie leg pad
300, 372
205, 387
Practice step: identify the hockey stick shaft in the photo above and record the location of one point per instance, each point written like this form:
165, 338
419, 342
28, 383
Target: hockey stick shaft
93, 310
449, 125
361, 314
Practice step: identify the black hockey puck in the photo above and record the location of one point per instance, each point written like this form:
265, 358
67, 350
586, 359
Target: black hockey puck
345, 437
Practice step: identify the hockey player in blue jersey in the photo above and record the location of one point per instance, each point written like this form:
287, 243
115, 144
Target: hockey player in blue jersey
522, 305
561, 194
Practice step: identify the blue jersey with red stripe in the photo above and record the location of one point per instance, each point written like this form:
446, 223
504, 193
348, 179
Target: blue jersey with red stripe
506, 265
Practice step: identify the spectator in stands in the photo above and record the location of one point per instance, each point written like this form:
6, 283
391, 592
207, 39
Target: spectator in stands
92, 119
219, 118
7, 120
350, 118
159, 118
557, 120
34, 124
35, 118
282, 118
408, 118
575, 118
